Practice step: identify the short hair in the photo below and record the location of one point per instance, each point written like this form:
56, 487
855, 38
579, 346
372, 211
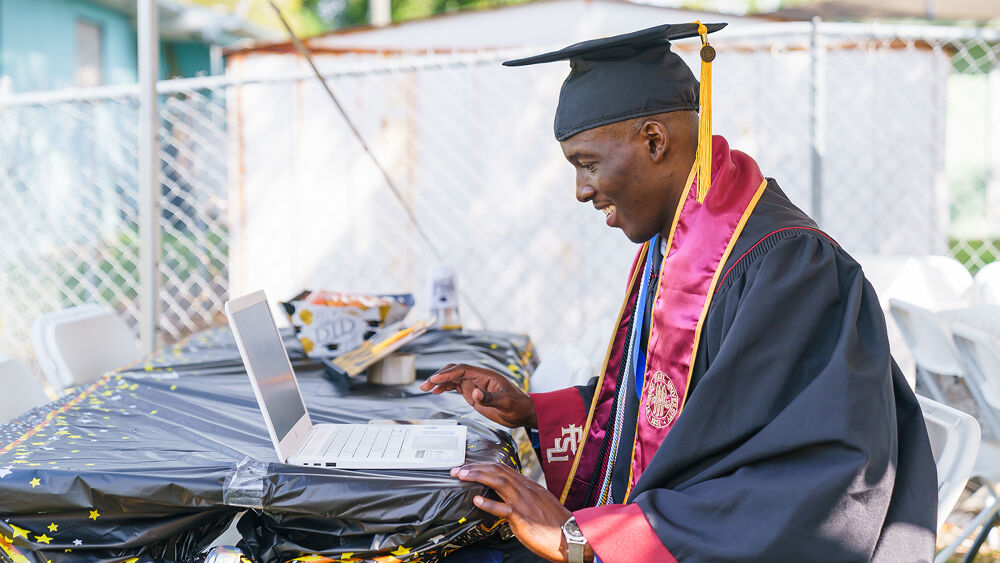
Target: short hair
687, 120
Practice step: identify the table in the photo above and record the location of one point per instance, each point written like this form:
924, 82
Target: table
155, 460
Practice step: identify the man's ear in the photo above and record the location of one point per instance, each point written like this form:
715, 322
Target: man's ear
656, 139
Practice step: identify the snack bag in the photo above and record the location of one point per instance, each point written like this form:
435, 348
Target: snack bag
329, 323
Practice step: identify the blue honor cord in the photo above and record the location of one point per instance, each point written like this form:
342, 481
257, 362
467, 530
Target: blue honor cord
638, 354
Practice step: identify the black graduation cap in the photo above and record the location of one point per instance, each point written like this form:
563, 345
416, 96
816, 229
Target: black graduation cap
632, 75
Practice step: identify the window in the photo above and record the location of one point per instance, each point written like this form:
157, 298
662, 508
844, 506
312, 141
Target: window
88, 54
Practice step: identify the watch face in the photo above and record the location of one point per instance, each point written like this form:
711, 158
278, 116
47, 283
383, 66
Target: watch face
571, 530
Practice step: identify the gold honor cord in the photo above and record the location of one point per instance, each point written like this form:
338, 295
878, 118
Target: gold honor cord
304, 51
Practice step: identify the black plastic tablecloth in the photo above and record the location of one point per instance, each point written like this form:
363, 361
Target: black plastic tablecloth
155, 460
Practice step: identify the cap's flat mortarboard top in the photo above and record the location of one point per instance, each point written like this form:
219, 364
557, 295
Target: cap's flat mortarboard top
635, 75
622, 77
619, 46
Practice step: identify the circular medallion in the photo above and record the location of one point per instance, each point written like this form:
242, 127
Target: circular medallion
662, 401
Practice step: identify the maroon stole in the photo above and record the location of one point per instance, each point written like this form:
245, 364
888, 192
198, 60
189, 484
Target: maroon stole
701, 239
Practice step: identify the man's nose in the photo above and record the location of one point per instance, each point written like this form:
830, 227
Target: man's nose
584, 192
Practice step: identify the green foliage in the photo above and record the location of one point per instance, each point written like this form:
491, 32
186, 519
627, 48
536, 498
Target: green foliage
304, 21
975, 253
355, 12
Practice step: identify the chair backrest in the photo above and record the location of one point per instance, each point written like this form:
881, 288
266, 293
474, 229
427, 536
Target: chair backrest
927, 338
82, 345
955, 438
981, 354
41, 333
986, 285
949, 282
933, 282
21, 391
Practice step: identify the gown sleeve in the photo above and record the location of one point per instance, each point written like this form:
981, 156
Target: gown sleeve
799, 441
561, 416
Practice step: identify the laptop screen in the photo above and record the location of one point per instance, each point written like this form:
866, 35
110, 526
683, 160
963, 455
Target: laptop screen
270, 367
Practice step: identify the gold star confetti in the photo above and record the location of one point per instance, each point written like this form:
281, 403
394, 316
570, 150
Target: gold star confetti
53, 527
43, 539
94, 515
400, 551
347, 555
462, 521
35, 482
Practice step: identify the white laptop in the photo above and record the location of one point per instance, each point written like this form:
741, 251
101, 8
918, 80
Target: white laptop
431, 444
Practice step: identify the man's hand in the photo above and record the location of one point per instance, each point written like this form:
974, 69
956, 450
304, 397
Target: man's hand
490, 393
535, 516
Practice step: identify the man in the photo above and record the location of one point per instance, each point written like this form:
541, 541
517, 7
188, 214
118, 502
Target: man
748, 408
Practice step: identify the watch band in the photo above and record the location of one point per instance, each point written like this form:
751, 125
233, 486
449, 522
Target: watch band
575, 542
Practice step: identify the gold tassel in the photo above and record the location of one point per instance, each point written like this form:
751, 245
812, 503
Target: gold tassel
703, 157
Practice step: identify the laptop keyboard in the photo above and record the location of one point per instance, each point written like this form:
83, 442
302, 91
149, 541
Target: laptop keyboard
360, 442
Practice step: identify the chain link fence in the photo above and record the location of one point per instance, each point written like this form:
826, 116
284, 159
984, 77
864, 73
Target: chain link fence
69, 223
888, 135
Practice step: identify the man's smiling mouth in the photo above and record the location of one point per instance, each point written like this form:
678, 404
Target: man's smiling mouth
608, 210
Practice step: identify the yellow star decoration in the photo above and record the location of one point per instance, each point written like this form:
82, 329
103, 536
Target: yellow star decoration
35, 482
347, 555
53, 527
462, 520
19, 532
43, 539
400, 551
94, 515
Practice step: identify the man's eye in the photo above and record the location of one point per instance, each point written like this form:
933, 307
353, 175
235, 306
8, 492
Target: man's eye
590, 167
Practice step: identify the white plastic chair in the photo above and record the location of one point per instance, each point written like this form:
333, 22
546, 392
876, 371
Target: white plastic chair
41, 330
21, 391
932, 282
78, 345
981, 357
955, 438
931, 345
986, 285
563, 368
949, 283
935, 283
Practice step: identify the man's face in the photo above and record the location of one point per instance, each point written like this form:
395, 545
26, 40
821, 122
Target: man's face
617, 170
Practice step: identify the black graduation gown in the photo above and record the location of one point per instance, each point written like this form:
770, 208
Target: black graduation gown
800, 439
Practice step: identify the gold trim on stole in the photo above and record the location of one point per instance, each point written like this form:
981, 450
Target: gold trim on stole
701, 319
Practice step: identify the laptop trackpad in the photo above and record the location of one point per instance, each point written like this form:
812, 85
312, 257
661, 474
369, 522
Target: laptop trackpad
434, 443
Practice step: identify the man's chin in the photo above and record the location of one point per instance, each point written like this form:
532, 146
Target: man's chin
635, 237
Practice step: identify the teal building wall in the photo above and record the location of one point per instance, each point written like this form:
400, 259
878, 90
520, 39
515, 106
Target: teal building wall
38, 45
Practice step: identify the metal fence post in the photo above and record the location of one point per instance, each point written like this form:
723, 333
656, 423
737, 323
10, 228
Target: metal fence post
817, 71
149, 175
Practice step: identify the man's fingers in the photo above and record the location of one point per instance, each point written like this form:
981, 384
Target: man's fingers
493, 475
494, 507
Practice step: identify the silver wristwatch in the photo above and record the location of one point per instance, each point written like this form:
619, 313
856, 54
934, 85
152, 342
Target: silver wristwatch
575, 542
